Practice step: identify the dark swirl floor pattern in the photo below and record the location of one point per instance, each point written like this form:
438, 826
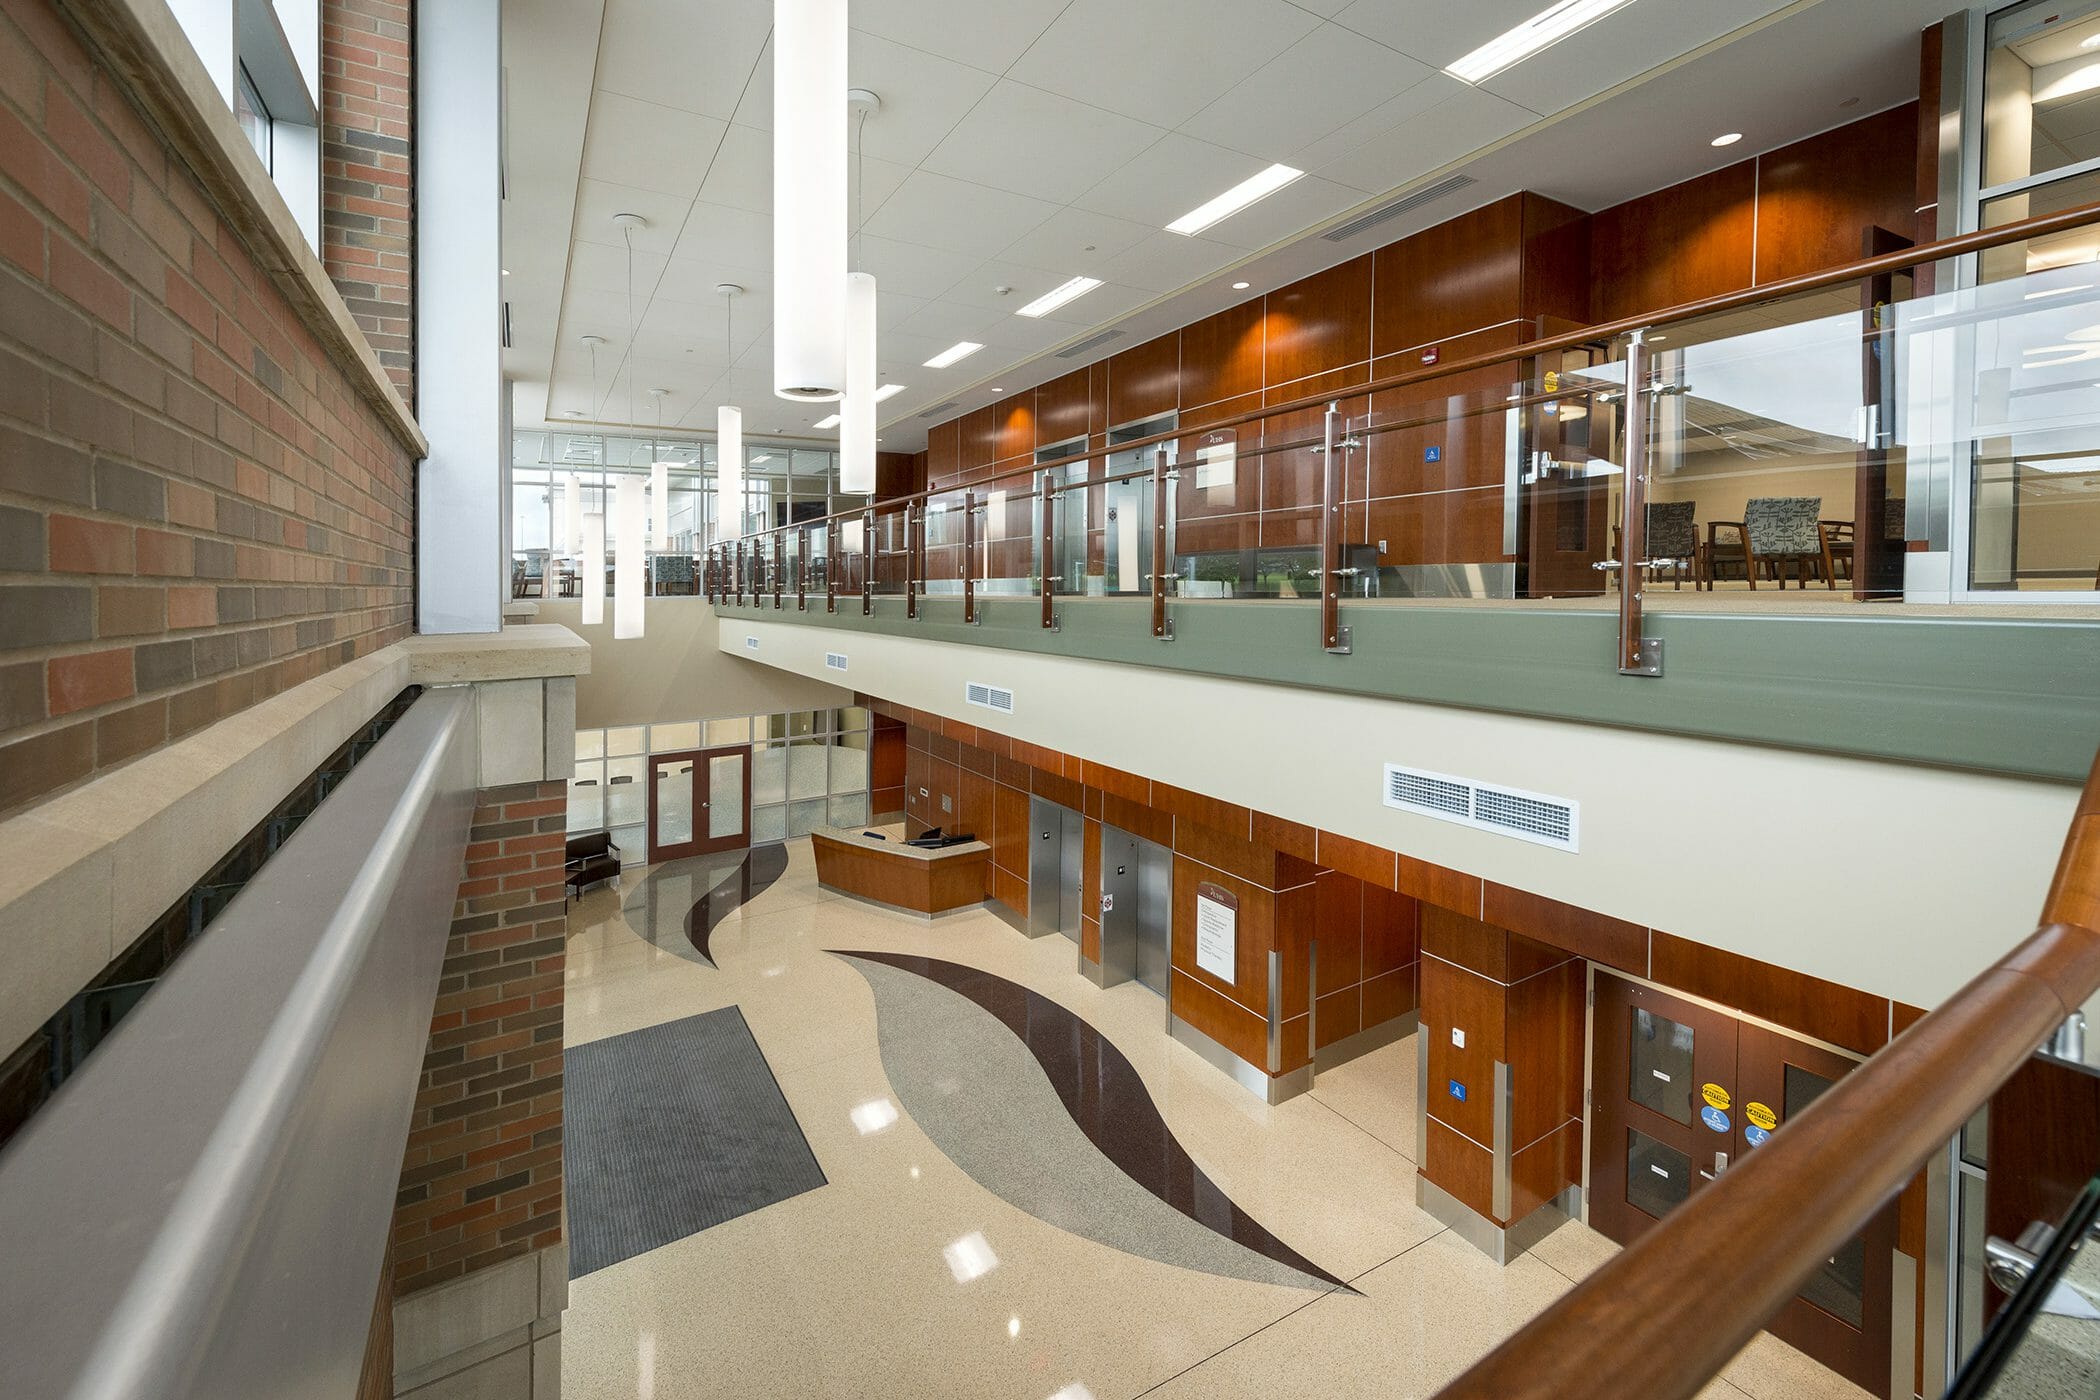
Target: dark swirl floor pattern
664, 908
1107, 1100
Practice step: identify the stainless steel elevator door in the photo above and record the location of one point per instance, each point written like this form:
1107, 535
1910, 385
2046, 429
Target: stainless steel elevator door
1155, 915
1071, 871
1119, 906
1045, 855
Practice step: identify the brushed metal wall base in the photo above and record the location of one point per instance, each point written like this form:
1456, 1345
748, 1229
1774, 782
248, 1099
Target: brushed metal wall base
1007, 916
1365, 1041
1091, 971
1499, 1243
1270, 1089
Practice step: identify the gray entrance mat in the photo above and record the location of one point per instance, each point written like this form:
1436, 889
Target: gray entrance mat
669, 1130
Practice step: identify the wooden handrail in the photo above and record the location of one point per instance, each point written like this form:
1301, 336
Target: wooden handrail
2040, 226
1671, 1309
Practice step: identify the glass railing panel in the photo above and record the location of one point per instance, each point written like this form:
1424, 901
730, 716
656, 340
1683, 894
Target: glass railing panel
892, 558
944, 539
1008, 538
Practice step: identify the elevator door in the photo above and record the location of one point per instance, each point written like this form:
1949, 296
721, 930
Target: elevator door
1137, 909
1155, 915
1056, 852
1681, 1091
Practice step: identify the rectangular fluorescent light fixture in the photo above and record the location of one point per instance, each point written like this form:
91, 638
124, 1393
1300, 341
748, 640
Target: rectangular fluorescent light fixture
960, 350
1544, 29
1057, 296
1235, 199
888, 391
822, 423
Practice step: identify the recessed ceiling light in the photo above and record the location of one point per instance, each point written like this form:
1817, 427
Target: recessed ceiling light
960, 350
1549, 26
2090, 41
1726, 138
1057, 296
831, 422
572, 413
1240, 286
1247, 191
888, 391
506, 272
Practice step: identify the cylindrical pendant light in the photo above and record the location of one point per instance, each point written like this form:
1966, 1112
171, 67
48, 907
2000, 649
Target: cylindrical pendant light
729, 472
809, 198
571, 538
594, 568
627, 559
857, 413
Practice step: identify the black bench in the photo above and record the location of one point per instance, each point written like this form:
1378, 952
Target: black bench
591, 857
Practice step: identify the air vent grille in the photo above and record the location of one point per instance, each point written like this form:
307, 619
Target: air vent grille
1450, 184
1528, 816
1089, 343
990, 697
835, 661
750, 644
938, 409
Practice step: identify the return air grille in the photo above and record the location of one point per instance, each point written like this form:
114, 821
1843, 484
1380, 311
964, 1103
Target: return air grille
938, 409
1450, 184
990, 697
834, 661
1528, 816
1088, 344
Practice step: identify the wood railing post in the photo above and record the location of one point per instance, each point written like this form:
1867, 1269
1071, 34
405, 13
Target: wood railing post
802, 569
912, 518
831, 567
1046, 546
969, 557
1637, 655
1334, 432
779, 568
1161, 628
867, 563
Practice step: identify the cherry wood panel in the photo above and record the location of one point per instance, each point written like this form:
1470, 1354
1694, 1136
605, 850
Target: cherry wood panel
1010, 830
1114, 780
886, 755
1231, 1025
1256, 929
1556, 269
1437, 884
899, 474
1462, 1167
2044, 1147
1538, 1173
1294, 923
927, 886
1055, 787
1581, 931
1014, 427
1221, 355
1010, 890
1358, 858
1320, 323
1138, 818
1454, 997
1341, 1014
1144, 381
1338, 926
1818, 197
1391, 994
980, 438
1678, 244
1461, 275
1063, 408
1927, 144
1543, 1026
1826, 1010
944, 450
1493, 952
1289, 837
1392, 930
1227, 817
1221, 850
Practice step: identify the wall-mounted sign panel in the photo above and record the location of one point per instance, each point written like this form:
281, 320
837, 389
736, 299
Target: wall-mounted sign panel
1217, 931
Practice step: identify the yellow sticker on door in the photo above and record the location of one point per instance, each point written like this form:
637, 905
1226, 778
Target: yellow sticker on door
1760, 1116
1715, 1095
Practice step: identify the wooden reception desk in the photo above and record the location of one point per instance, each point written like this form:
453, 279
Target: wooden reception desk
910, 878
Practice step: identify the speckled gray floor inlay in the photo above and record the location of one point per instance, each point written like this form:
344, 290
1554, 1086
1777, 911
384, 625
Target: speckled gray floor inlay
983, 1098
672, 1129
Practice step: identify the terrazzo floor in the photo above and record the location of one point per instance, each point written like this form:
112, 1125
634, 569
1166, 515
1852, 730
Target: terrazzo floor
904, 1276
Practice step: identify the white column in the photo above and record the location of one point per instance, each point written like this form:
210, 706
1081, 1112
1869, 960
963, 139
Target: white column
459, 316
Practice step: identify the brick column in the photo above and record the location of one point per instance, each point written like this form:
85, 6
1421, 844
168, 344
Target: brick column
367, 155
477, 1224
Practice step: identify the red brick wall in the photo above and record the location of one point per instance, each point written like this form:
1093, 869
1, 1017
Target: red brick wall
196, 510
367, 200
482, 1178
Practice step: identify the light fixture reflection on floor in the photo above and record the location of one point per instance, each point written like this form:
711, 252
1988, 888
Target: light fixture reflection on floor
1013, 1327
873, 1116
970, 1257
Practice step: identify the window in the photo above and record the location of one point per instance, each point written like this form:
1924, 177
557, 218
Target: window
254, 117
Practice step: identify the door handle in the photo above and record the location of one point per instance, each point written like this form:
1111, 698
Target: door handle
1720, 1166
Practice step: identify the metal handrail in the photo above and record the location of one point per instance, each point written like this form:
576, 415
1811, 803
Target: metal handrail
1671, 1309
204, 1210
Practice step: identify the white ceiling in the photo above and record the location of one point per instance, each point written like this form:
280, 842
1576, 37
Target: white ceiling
1025, 141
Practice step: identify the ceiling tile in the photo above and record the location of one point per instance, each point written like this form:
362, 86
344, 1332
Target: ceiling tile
1034, 142
911, 268
1454, 127
598, 200
1620, 46
984, 36
599, 267
1078, 239
1437, 35
742, 175
940, 212
923, 95
948, 322
716, 233
1162, 61
1326, 80
653, 49
1296, 207
1411, 101
647, 145
1168, 179
694, 280
1166, 262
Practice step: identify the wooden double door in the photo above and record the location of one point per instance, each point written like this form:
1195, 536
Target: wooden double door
699, 802
1680, 1091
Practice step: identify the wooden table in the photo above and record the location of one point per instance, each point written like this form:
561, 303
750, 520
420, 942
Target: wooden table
911, 878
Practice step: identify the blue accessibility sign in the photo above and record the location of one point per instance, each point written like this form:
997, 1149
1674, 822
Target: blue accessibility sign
1714, 1118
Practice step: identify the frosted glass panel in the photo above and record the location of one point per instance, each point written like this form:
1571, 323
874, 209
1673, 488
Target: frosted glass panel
768, 824
806, 769
721, 732
768, 774
725, 796
805, 817
674, 804
630, 739
850, 811
849, 770
624, 801
590, 743
670, 738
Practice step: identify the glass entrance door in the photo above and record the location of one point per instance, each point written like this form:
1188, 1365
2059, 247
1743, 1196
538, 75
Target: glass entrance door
699, 801
1682, 1090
